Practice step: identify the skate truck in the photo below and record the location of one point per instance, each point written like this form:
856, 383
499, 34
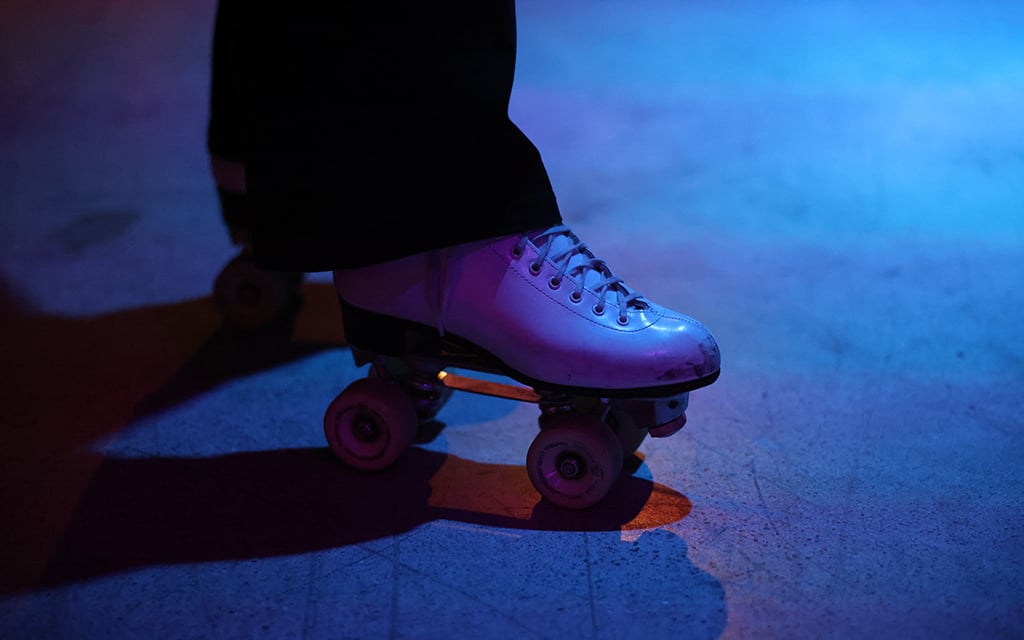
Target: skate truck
584, 435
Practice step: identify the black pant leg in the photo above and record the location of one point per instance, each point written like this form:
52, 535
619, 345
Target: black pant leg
375, 130
225, 134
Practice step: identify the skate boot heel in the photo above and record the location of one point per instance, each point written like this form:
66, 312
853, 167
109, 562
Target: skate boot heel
384, 335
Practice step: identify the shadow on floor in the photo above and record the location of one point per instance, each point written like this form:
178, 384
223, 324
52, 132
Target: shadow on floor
81, 514
70, 382
157, 511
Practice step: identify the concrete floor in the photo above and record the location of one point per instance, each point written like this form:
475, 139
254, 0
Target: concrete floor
836, 188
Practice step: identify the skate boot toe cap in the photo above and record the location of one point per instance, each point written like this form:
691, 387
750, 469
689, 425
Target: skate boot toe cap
690, 354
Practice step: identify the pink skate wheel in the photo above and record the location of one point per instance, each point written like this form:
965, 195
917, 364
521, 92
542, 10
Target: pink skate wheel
574, 460
370, 424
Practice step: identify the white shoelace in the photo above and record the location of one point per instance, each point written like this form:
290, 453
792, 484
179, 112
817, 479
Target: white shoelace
562, 248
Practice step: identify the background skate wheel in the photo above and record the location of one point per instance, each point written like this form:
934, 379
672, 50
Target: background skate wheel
251, 298
370, 424
574, 460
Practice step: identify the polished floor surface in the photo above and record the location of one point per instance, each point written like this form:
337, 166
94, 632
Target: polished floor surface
836, 188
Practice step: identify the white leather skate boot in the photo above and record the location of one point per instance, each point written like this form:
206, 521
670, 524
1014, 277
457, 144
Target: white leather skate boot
540, 307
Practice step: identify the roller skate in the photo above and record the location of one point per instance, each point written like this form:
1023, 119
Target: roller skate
247, 297
544, 321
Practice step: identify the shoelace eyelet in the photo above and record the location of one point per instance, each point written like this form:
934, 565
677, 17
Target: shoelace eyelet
598, 310
554, 283
517, 253
535, 268
622, 320
576, 297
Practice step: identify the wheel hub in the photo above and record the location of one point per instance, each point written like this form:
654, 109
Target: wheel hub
571, 466
250, 294
365, 429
